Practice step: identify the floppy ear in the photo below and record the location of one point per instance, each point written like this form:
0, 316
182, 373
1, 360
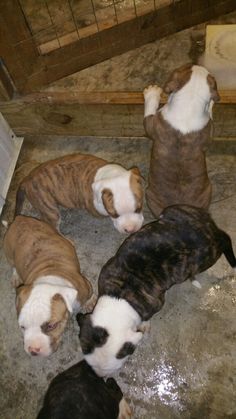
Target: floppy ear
135, 170
213, 88
100, 336
107, 199
127, 349
90, 337
68, 295
178, 78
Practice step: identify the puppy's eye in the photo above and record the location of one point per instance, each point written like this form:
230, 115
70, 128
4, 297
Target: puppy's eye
138, 210
51, 326
48, 327
22, 327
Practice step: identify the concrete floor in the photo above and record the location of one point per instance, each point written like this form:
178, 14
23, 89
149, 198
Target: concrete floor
186, 367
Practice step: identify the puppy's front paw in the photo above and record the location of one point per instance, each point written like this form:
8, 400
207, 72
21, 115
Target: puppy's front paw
124, 410
152, 90
145, 327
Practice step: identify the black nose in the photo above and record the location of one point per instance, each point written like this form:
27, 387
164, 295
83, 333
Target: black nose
34, 353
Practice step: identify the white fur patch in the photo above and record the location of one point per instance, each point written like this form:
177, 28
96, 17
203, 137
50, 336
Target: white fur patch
189, 109
37, 310
196, 283
152, 95
121, 322
117, 179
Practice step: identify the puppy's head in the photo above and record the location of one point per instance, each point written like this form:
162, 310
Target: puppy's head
122, 198
107, 338
199, 80
42, 316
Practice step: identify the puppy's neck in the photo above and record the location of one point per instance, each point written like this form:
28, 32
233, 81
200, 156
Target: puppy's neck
103, 179
115, 313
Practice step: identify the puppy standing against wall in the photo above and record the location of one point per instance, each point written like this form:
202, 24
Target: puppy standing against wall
183, 242
180, 131
85, 181
78, 393
49, 285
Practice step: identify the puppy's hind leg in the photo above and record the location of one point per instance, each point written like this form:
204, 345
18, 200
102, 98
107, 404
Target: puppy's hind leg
144, 327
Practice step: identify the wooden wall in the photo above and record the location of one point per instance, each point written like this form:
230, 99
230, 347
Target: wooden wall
108, 114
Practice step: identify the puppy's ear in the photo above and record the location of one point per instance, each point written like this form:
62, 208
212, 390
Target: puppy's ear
100, 336
107, 199
213, 88
178, 78
127, 349
81, 318
135, 170
90, 337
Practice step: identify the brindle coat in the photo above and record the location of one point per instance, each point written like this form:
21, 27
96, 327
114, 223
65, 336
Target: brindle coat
183, 242
67, 182
178, 171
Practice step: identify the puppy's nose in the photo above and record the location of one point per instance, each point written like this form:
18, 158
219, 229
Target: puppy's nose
130, 229
34, 351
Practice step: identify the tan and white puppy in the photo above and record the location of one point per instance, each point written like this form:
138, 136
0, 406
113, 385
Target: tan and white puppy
180, 131
85, 181
49, 285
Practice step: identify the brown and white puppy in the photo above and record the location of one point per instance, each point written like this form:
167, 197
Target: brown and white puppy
49, 285
85, 181
78, 393
181, 243
180, 131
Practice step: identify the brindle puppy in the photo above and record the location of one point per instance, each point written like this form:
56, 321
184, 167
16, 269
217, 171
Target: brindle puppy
182, 242
78, 393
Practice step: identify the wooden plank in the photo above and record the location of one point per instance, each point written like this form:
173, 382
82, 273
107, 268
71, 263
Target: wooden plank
103, 97
110, 120
116, 40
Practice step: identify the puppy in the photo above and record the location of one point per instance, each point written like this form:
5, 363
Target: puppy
49, 285
181, 243
85, 181
78, 393
180, 131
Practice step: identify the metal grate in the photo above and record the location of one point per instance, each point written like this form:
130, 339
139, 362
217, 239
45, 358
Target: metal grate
56, 23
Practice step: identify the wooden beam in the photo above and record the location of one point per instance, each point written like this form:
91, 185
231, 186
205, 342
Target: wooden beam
112, 115
103, 97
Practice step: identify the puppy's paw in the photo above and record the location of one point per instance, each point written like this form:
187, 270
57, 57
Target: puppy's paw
145, 327
124, 410
196, 284
152, 90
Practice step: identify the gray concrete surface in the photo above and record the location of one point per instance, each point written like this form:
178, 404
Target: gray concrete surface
186, 367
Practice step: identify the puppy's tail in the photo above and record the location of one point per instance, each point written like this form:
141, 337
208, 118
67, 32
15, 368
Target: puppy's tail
20, 197
227, 249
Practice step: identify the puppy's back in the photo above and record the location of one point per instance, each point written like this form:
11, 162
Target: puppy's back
78, 393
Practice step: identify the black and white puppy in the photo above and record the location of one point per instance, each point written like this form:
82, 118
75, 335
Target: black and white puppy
181, 243
78, 393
